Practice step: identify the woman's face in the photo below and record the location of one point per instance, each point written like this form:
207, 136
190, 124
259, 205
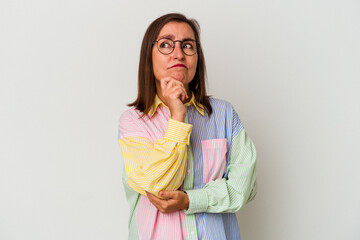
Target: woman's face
176, 64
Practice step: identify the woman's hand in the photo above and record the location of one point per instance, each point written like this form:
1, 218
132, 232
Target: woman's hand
173, 94
176, 200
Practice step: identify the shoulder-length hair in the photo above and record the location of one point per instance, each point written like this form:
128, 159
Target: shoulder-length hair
146, 78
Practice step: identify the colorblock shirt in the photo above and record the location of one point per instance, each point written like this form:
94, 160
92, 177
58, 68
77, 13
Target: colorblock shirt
209, 156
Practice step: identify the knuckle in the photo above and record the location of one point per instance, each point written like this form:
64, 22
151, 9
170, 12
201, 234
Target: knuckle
164, 205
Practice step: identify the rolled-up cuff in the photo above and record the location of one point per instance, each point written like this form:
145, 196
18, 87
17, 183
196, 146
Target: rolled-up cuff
198, 201
178, 131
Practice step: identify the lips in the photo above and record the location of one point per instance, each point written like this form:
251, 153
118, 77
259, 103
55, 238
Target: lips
179, 65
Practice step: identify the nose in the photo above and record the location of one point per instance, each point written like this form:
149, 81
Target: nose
178, 53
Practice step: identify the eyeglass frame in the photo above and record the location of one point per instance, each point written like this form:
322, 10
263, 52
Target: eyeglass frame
173, 48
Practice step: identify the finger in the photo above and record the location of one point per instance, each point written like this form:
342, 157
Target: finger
169, 83
185, 94
182, 86
174, 92
179, 83
153, 197
149, 195
154, 200
180, 90
161, 204
164, 82
168, 194
181, 93
175, 83
173, 88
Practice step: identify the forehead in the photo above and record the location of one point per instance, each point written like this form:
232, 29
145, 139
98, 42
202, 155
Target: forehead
176, 31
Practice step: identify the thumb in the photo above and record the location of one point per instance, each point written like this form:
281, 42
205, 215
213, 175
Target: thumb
167, 194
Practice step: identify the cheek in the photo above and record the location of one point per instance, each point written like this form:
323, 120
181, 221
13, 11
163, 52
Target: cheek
155, 63
194, 64
159, 65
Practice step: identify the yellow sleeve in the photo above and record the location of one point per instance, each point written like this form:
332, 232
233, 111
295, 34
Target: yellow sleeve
157, 166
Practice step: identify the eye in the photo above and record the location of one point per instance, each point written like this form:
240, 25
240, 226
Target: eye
165, 44
188, 45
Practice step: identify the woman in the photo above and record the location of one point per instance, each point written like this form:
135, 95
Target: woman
189, 164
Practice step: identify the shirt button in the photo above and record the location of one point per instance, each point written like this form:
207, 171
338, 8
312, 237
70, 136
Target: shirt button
140, 167
188, 171
192, 233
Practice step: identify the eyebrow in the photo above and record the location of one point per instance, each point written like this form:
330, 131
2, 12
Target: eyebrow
170, 36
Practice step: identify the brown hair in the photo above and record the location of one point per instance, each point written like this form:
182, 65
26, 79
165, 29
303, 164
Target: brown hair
146, 78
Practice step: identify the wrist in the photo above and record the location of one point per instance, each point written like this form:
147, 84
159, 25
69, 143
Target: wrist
186, 201
178, 117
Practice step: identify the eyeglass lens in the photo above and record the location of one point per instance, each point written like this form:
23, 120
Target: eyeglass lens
166, 46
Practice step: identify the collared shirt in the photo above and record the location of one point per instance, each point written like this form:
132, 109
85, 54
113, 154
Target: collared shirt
211, 157
192, 102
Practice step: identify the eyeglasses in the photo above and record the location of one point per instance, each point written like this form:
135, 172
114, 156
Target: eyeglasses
167, 46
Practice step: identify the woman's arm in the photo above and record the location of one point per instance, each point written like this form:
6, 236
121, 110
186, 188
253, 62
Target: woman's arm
231, 193
151, 167
160, 165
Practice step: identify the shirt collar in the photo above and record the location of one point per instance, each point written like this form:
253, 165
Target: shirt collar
199, 107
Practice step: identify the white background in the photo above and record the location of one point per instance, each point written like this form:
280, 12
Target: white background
68, 68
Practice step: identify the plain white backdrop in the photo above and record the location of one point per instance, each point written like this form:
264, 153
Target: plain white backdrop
68, 69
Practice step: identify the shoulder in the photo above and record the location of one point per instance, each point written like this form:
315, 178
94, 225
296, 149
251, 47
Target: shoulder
225, 108
131, 114
132, 123
220, 105
131, 117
